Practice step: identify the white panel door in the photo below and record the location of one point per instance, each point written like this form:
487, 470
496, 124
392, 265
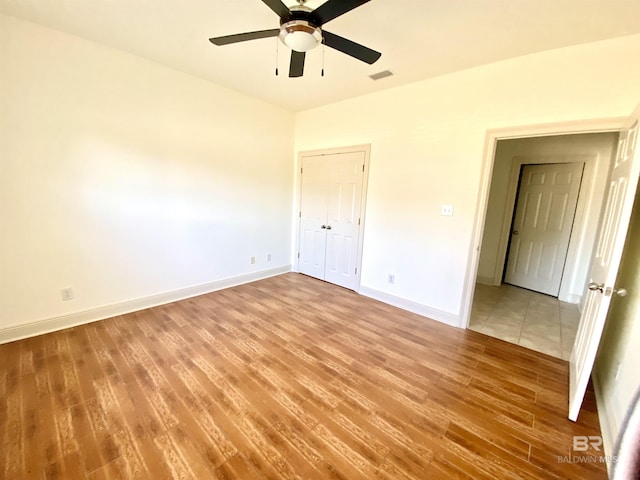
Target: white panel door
330, 207
546, 206
344, 195
623, 183
313, 218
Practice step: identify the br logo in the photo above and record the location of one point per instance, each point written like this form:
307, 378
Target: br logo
582, 443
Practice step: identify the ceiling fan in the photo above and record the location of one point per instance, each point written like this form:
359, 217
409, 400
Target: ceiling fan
301, 30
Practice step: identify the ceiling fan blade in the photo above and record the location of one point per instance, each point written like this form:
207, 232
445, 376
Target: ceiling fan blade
296, 68
243, 37
334, 8
278, 7
350, 48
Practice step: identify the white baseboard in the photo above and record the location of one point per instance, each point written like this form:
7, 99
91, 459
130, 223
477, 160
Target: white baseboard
486, 281
87, 316
571, 298
609, 424
414, 307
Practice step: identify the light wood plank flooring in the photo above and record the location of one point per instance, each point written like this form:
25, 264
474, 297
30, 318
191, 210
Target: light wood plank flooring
285, 378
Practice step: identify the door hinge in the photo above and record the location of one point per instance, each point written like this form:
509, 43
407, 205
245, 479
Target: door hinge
358, 221
356, 270
300, 170
298, 254
300, 214
363, 167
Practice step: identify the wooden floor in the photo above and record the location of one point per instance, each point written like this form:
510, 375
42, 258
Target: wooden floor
284, 378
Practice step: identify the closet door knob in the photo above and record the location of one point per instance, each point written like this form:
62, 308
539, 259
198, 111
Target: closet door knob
323, 226
328, 227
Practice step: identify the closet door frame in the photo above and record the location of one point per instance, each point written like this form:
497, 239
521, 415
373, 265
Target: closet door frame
366, 149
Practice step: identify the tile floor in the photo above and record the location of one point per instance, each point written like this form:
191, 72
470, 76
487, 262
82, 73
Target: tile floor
527, 318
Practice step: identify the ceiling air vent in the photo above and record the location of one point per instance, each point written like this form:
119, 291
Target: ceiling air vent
380, 75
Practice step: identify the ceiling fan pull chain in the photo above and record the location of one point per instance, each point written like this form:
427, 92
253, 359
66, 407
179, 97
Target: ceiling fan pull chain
277, 42
322, 71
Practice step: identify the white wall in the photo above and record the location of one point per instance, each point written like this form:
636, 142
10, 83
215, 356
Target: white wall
596, 150
125, 179
427, 144
620, 345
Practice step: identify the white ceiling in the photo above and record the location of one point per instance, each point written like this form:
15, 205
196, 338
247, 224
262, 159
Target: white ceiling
418, 38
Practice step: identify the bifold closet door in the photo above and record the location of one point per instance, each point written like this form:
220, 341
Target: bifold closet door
344, 196
331, 201
313, 217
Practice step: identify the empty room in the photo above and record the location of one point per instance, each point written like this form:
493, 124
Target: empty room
323, 239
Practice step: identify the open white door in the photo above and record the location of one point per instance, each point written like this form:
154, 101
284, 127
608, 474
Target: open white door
606, 261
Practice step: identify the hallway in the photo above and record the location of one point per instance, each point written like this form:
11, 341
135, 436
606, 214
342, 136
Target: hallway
530, 319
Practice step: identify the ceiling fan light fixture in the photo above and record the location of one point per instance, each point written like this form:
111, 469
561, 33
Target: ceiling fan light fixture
300, 35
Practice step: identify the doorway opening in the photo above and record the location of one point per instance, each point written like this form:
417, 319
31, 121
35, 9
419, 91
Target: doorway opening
528, 290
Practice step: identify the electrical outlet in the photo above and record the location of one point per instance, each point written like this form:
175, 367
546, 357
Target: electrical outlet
268, 257
446, 210
253, 260
66, 294
391, 279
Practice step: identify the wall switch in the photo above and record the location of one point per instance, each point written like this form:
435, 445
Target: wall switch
268, 257
253, 260
391, 279
66, 294
446, 210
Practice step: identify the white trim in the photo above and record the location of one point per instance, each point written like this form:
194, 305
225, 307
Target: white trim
607, 418
487, 280
100, 313
574, 298
491, 140
424, 310
366, 149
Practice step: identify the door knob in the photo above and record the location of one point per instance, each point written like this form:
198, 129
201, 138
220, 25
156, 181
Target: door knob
515, 232
323, 226
621, 292
328, 227
596, 287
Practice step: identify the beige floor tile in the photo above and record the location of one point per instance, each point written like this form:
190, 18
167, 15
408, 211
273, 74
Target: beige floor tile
530, 319
537, 319
505, 332
541, 345
480, 313
544, 333
505, 314
569, 315
568, 337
